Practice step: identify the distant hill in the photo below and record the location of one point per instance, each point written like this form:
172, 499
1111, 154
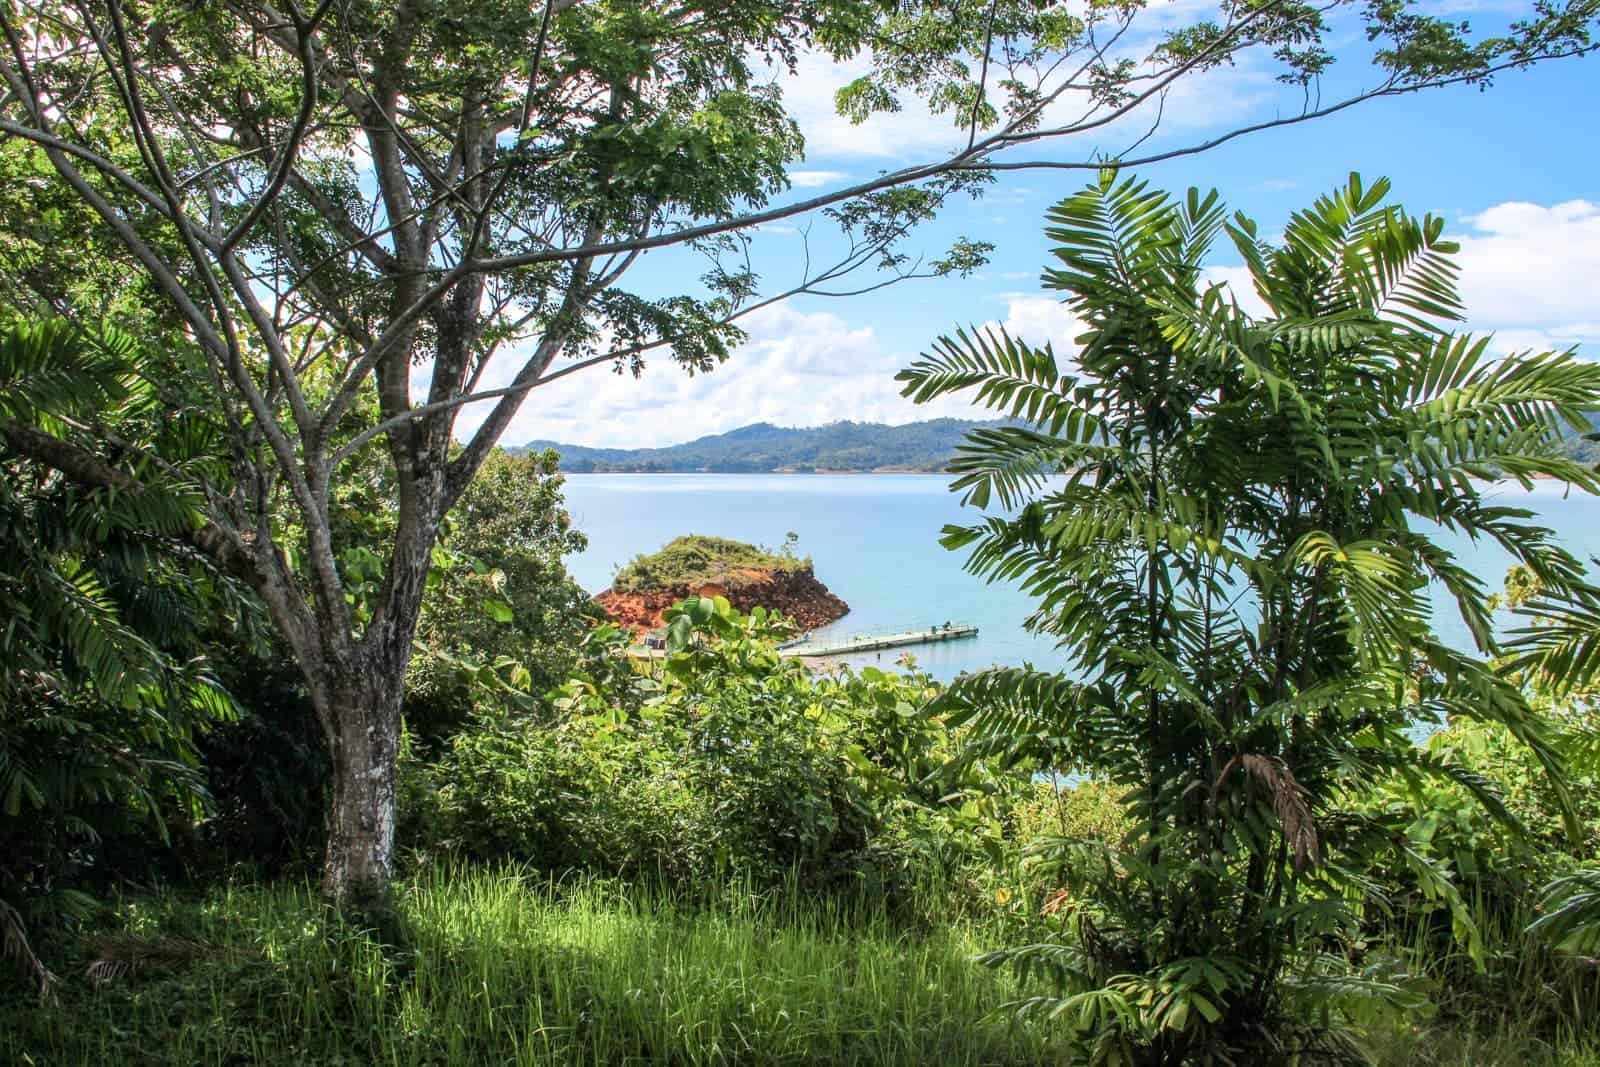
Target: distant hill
763, 447
1578, 445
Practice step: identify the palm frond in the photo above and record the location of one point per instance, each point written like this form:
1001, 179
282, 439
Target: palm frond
1572, 919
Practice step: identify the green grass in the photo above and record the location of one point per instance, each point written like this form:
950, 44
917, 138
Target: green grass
505, 968
1442, 1046
696, 560
502, 969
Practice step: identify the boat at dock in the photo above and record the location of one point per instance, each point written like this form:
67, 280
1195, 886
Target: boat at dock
843, 646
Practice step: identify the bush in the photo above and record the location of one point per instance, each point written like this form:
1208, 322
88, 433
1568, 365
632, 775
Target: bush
726, 760
695, 560
682, 793
1516, 979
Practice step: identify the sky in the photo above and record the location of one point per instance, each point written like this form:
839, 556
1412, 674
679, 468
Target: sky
1512, 170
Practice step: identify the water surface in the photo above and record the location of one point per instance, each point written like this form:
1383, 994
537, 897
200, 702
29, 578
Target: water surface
874, 540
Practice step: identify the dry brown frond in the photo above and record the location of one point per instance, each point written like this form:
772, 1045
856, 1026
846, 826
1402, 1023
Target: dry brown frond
14, 945
1290, 805
117, 957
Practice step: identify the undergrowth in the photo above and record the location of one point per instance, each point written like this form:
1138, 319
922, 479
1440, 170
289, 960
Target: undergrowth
502, 968
506, 967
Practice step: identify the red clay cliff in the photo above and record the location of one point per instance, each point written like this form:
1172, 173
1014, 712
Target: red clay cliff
796, 593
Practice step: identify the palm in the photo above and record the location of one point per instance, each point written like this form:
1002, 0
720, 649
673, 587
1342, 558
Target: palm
103, 690
1230, 523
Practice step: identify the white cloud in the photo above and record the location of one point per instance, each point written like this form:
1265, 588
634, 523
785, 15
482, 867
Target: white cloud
798, 368
813, 179
1237, 279
809, 95
1042, 319
1528, 272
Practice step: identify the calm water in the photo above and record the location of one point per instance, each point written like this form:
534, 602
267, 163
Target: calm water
874, 540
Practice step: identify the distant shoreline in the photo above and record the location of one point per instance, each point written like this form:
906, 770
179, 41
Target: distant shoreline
762, 474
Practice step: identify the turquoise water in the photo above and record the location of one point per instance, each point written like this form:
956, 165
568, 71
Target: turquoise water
874, 540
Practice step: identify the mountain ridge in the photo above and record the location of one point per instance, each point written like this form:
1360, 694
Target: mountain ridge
763, 447
843, 446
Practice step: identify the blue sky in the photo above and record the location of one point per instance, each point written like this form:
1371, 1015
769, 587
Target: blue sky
1513, 170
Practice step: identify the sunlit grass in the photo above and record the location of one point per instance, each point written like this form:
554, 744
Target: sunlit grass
500, 968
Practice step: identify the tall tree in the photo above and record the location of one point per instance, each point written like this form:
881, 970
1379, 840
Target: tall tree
1232, 524
372, 199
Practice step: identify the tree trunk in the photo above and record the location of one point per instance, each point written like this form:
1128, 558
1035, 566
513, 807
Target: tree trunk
362, 721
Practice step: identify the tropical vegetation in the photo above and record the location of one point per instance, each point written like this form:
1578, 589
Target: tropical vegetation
318, 201
1230, 523
312, 749
694, 560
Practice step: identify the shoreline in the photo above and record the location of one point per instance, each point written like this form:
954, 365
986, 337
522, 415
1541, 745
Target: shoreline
778, 470
856, 473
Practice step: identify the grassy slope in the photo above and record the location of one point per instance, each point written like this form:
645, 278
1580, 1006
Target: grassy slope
503, 970
695, 560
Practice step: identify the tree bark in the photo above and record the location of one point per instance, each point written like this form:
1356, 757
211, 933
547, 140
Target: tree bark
360, 710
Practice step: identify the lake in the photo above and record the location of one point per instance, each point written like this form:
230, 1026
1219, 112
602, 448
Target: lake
874, 540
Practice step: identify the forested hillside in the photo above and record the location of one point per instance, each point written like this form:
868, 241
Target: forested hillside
847, 446
839, 446
1581, 447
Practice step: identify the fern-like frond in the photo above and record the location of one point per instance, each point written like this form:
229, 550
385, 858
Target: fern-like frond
1572, 913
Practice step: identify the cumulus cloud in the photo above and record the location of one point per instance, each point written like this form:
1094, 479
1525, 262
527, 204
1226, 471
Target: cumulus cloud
1039, 320
797, 368
1528, 272
1239, 284
809, 94
813, 179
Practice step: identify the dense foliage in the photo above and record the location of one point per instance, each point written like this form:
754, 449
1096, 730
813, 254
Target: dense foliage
762, 447
502, 615
256, 260
1230, 523
722, 760
322, 200
695, 560
107, 609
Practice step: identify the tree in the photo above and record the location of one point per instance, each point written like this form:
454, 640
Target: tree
1230, 523
329, 200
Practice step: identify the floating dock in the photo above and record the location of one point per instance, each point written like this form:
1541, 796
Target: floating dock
843, 646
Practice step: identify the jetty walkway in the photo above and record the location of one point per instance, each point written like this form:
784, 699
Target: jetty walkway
841, 646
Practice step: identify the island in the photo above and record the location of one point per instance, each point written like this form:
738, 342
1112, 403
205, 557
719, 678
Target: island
747, 575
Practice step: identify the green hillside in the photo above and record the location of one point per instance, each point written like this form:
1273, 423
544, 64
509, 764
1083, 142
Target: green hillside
695, 560
1579, 446
763, 447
